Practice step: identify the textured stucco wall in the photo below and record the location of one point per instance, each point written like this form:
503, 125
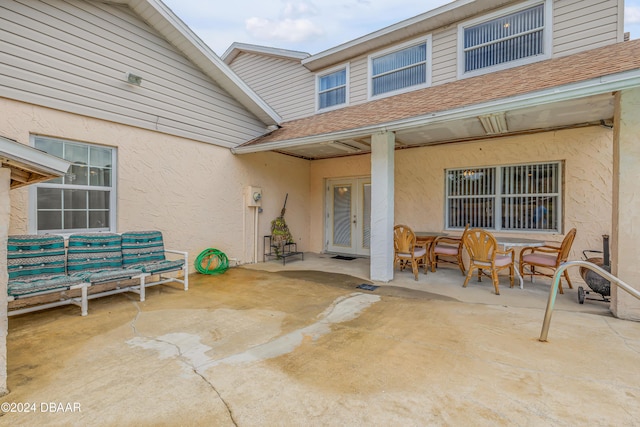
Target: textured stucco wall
419, 179
626, 216
193, 192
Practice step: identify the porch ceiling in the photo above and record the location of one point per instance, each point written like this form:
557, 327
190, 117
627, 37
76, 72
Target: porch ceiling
592, 110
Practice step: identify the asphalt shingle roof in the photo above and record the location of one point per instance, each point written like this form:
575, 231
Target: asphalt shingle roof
612, 59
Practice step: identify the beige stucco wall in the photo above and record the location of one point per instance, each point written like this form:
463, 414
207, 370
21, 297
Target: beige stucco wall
193, 192
419, 180
626, 214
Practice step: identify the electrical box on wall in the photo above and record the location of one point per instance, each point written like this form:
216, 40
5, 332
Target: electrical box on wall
254, 196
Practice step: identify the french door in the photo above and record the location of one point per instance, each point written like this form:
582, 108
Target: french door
348, 219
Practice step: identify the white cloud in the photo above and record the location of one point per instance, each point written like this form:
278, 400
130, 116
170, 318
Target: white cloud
286, 30
299, 9
295, 24
632, 15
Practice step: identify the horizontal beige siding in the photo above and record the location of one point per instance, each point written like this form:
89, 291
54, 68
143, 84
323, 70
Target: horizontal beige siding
73, 56
585, 24
358, 83
284, 84
445, 59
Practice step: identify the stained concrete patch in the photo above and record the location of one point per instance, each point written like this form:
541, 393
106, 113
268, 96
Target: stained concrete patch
189, 346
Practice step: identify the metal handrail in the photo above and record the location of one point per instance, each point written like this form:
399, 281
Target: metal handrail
556, 282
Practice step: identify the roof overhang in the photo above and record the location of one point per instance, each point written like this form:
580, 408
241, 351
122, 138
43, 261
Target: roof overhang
29, 165
163, 20
588, 102
237, 48
440, 17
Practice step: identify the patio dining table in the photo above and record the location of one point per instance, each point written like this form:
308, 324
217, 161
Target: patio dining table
426, 238
515, 242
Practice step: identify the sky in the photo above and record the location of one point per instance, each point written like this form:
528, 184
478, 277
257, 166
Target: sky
310, 26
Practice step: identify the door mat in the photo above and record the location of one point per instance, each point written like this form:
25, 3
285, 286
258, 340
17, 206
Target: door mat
367, 287
346, 258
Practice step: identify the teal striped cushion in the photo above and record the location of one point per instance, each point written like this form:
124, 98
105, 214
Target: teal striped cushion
35, 255
105, 275
155, 267
94, 251
142, 247
29, 285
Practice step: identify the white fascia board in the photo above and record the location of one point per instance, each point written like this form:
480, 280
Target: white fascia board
597, 86
388, 30
237, 47
220, 72
31, 158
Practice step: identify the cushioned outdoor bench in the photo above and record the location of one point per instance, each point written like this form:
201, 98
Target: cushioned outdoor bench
37, 266
145, 251
40, 265
96, 258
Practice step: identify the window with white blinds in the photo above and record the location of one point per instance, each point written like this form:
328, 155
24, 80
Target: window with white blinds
513, 37
394, 71
332, 89
510, 198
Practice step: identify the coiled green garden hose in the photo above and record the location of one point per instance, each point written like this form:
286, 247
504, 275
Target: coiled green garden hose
211, 261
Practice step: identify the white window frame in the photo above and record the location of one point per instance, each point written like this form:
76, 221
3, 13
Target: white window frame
324, 73
33, 193
498, 196
426, 39
547, 38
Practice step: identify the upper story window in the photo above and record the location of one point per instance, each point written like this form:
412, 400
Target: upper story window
332, 88
84, 198
404, 68
514, 37
524, 197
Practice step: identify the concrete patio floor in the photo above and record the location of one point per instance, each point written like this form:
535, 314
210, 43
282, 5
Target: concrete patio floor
267, 345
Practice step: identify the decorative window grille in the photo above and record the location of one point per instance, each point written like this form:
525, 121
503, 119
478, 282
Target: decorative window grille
508, 38
400, 69
84, 198
510, 198
332, 89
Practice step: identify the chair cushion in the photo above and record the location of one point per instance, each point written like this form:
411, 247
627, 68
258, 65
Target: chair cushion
24, 286
106, 274
155, 267
540, 259
37, 256
417, 253
140, 247
94, 252
502, 260
445, 250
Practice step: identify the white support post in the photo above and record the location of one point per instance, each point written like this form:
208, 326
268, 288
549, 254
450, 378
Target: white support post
382, 206
5, 209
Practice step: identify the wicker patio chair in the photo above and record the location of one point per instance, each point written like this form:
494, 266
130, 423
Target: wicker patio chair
448, 249
484, 255
548, 258
406, 251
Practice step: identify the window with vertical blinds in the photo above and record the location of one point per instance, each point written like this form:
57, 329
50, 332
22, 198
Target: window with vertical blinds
399, 69
332, 89
507, 38
510, 198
